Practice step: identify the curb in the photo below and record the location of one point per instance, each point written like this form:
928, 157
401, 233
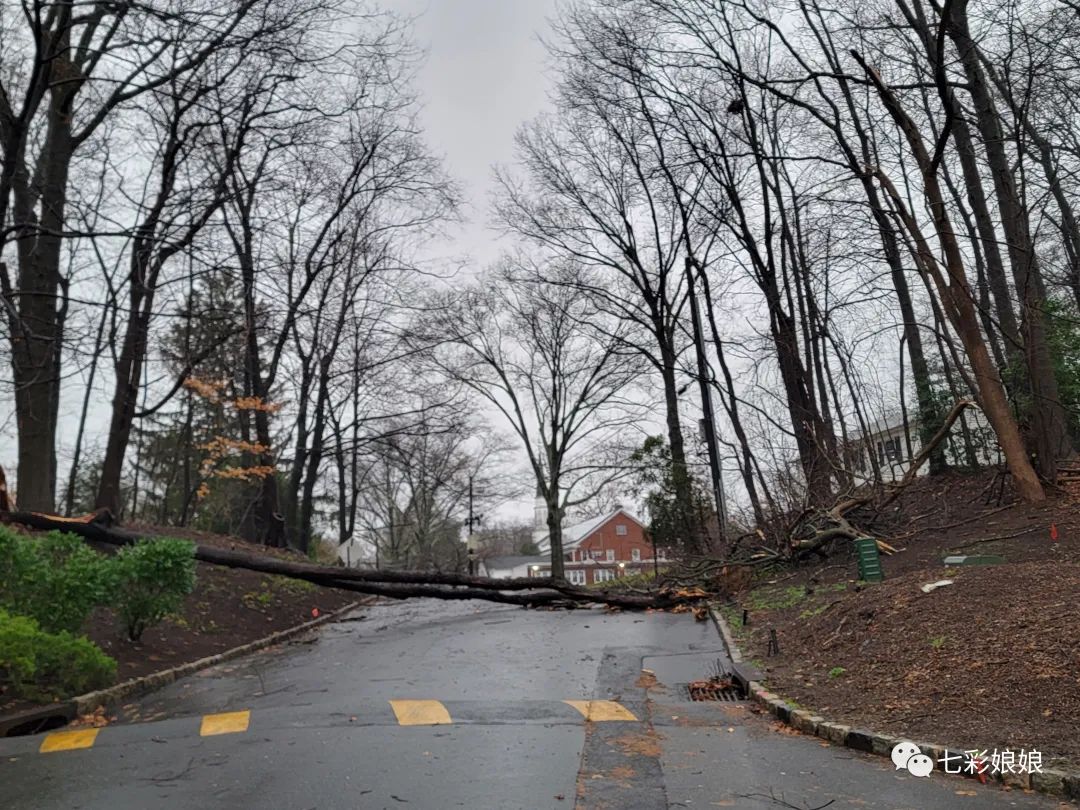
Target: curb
1061, 784
84, 704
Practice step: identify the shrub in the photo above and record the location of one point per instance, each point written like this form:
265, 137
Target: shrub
56, 580
45, 666
149, 581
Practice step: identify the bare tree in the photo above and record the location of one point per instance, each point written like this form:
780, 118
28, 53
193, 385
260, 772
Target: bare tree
555, 367
68, 69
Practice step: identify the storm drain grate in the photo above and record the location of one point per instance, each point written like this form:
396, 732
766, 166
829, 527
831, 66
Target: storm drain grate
716, 689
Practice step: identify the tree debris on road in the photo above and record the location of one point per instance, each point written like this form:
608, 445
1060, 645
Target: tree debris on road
527, 592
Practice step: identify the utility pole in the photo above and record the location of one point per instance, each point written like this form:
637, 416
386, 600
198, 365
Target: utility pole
470, 545
706, 401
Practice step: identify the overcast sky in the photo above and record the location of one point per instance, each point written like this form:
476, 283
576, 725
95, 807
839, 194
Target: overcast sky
484, 76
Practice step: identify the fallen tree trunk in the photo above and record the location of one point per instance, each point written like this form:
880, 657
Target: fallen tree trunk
394, 584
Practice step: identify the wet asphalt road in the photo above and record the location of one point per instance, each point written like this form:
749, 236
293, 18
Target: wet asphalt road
326, 723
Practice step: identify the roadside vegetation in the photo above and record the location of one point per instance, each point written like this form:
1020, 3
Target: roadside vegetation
49, 585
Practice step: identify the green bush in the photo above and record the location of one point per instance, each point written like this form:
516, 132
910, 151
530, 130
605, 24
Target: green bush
149, 581
56, 580
38, 665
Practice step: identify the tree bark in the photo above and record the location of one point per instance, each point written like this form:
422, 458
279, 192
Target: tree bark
956, 296
1049, 423
680, 472
35, 354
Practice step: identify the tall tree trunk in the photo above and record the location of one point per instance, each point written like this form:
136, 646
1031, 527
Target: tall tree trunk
929, 413
73, 473
315, 455
680, 472
969, 163
554, 525
806, 423
1070, 230
957, 298
731, 406
36, 348
986, 309
128, 373
269, 525
1049, 423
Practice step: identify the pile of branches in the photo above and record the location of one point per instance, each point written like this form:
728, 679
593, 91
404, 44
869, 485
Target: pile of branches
814, 531
528, 592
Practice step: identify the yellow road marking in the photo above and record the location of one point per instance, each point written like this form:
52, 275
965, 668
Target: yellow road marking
224, 723
68, 740
420, 712
601, 710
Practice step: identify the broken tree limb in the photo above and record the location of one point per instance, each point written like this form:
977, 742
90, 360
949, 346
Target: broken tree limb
924, 453
826, 525
394, 584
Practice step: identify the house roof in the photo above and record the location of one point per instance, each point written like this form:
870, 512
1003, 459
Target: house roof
512, 561
572, 536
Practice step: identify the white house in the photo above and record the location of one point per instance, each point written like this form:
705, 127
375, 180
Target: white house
511, 567
893, 447
354, 553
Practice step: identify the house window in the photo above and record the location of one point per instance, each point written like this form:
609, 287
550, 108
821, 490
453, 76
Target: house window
603, 575
575, 576
597, 554
620, 529
892, 450
661, 554
611, 555
635, 554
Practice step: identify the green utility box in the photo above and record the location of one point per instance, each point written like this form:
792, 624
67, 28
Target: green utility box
869, 559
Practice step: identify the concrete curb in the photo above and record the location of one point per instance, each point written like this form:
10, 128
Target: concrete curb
84, 704
1057, 783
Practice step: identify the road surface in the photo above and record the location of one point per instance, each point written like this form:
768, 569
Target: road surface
436, 705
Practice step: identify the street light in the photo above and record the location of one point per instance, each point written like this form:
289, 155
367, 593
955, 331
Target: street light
622, 568
534, 569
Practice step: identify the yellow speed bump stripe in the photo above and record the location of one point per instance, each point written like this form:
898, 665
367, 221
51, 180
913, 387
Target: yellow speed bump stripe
68, 740
224, 723
601, 710
420, 712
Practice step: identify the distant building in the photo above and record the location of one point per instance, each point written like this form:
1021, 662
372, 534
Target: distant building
893, 448
355, 553
511, 567
595, 550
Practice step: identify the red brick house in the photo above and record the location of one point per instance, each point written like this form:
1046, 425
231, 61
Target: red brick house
601, 549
